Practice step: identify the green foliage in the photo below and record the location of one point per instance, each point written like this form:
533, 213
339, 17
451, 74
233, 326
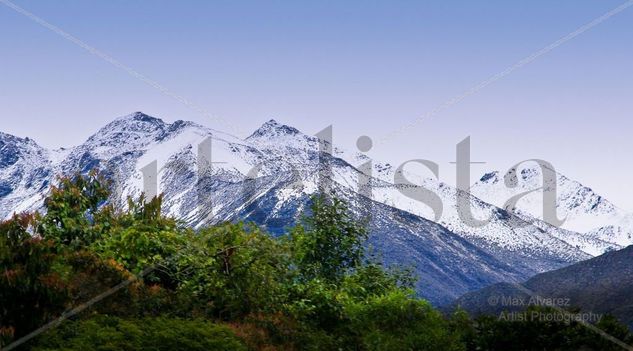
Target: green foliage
398, 321
330, 241
318, 304
611, 326
343, 300
141, 236
234, 270
110, 333
379, 316
72, 217
372, 279
316, 288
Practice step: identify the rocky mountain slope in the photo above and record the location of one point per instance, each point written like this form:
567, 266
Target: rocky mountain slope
600, 285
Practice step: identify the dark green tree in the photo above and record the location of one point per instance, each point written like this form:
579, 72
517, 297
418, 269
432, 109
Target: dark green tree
329, 242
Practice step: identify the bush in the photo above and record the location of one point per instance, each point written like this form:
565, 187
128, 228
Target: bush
110, 333
234, 270
398, 321
141, 236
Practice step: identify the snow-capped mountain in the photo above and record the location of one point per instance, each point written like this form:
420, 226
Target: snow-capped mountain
26, 171
269, 178
527, 247
591, 222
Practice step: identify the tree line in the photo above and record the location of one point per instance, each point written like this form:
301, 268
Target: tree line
229, 286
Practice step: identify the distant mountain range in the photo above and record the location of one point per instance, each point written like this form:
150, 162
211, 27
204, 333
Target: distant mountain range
601, 285
450, 257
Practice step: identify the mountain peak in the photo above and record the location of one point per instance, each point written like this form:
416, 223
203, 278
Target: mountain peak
273, 128
10, 137
140, 117
129, 129
4, 135
9, 140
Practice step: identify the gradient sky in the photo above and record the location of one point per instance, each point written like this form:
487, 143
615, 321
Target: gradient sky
366, 67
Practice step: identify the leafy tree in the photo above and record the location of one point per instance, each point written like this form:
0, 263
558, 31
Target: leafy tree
141, 236
72, 218
31, 289
329, 242
234, 270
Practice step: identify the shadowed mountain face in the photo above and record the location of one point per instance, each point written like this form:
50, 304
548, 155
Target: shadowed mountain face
269, 178
601, 285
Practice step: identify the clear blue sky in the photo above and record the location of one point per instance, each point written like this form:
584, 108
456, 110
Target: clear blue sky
364, 66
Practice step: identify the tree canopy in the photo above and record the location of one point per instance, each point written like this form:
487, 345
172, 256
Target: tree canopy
229, 286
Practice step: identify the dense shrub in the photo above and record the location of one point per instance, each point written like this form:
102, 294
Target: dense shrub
233, 270
110, 333
398, 321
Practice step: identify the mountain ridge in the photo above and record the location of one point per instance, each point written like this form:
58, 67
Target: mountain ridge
269, 177
601, 285
602, 225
